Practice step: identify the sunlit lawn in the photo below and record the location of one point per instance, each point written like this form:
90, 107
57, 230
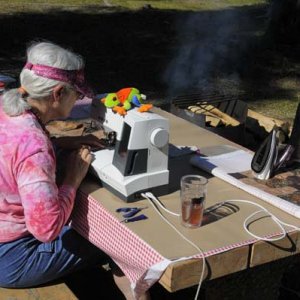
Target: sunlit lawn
281, 108
24, 5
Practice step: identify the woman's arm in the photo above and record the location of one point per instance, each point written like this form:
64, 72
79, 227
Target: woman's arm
47, 207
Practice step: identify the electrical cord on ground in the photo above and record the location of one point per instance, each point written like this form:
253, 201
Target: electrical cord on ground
153, 201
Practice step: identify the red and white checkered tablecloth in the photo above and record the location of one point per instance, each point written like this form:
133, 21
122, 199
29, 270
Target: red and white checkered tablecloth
141, 263
133, 255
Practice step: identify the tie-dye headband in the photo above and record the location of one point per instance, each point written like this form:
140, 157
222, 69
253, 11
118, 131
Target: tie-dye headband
73, 77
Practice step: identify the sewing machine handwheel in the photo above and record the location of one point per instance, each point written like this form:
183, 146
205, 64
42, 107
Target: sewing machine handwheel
159, 137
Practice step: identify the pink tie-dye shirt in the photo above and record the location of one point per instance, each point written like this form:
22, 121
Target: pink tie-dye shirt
30, 201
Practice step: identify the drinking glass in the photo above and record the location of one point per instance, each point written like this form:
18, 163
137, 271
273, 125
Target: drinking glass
192, 194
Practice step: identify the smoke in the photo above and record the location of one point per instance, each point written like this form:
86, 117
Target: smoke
208, 52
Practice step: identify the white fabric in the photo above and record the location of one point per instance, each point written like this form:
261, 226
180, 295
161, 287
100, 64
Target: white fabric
235, 162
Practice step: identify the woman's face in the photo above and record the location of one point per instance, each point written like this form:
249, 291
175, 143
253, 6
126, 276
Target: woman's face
69, 101
66, 102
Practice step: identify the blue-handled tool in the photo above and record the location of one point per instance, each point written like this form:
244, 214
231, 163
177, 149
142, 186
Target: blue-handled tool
125, 209
130, 211
134, 219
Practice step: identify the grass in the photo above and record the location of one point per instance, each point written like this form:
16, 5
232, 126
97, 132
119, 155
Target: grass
193, 5
282, 109
186, 5
272, 85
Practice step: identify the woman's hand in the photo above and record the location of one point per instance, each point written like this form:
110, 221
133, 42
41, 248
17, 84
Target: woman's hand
78, 165
76, 142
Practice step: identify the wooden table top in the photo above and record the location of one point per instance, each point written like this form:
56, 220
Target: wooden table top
228, 247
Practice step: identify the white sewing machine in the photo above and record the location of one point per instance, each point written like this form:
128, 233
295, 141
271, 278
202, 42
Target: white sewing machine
139, 160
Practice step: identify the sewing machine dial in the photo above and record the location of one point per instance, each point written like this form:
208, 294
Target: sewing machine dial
159, 137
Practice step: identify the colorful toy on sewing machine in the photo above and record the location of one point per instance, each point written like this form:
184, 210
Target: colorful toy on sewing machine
125, 99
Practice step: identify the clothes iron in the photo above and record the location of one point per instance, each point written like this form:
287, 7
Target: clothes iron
272, 158
265, 157
295, 138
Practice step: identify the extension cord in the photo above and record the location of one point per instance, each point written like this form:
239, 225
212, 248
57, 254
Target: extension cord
151, 198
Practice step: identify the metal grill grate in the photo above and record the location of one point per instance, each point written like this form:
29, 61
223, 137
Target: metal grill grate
231, 105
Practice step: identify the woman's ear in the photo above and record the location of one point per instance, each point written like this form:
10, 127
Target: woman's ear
58, 92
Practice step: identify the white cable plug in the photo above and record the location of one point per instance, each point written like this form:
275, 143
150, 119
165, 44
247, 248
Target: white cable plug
152, 197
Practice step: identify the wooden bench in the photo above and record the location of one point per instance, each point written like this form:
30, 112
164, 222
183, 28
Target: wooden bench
53, 291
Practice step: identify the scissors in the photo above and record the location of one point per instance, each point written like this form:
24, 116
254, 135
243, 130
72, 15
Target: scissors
134, 219
129, 212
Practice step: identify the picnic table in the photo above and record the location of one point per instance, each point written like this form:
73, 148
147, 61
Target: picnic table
151, 250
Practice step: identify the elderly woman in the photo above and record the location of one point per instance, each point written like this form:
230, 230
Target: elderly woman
36, 244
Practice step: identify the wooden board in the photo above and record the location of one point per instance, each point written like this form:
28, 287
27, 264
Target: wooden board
187, 273
58, 291
264, 252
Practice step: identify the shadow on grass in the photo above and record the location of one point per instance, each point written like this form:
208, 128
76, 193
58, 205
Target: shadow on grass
162, 52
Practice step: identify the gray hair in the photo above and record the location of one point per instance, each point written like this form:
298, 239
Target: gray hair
37, 87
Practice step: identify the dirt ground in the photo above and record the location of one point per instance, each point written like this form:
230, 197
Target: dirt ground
158, 52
